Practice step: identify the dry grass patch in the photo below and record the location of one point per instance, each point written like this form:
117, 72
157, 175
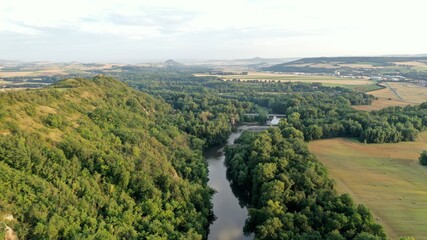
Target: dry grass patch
55, 135
16, 74
380, 104
4, 132
411, 94
387, 178
12, 89
50, 72
46, 109
28, 123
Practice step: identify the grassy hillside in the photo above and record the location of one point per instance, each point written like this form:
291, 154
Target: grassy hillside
95, 159
393, 185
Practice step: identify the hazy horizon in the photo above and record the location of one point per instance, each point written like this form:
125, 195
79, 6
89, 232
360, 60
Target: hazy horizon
128, 31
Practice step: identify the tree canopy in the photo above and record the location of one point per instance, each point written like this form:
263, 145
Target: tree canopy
95, 159
289, 191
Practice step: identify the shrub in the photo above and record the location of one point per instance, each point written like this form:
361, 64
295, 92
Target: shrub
423, 158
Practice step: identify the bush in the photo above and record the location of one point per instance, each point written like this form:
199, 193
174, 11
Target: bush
54, 121
423, 158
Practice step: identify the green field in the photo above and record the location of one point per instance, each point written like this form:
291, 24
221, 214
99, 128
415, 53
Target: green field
357, 87
332, 81
357, 84
385, 177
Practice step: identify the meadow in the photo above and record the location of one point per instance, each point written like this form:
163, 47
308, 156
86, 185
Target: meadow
393, 186
360, 84
407, 94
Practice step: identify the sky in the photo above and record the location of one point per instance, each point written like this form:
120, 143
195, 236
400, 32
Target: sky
138, 30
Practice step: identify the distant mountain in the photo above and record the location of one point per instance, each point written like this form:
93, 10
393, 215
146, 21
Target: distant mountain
257, 61
315, 65
172, 63
406, 55
353, 60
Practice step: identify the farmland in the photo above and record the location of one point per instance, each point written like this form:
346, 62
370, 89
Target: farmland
393, 185
353, 83
402, 94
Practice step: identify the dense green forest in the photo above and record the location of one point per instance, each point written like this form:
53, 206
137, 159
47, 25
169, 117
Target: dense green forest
95, 159
325, 115
208, 105
290, 194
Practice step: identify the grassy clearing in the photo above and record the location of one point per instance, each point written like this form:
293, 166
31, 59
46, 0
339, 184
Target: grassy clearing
387, 178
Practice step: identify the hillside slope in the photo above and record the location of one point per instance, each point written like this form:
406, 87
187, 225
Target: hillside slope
95, 159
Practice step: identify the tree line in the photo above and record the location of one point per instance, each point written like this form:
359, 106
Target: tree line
289, 191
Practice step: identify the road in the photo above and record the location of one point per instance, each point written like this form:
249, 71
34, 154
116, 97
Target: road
394, 91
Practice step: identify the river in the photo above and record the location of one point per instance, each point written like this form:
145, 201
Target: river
230, 216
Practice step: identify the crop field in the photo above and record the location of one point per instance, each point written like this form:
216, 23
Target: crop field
393, 186
327, 80
418, 66
50, 69
16, 74
404, 94
411, 93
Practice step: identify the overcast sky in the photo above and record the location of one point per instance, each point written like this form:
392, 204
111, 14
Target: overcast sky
135, 30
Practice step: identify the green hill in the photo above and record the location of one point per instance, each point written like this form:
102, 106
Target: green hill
96, 159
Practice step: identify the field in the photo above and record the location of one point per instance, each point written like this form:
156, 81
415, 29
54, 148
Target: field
418, 66
393, 186
285, 77
402, 94
411, 93
385, 65
33, 73
51, 69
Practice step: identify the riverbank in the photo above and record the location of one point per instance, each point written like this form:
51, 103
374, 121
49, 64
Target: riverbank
230, 215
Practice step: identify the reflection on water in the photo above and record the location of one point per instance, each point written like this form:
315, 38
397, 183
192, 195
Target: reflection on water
230, 215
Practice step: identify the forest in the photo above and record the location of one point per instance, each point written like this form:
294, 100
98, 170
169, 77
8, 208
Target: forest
208, 105
290, 194
96, 159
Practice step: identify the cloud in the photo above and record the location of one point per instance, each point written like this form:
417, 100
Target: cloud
194, 28
18, 28
147, 22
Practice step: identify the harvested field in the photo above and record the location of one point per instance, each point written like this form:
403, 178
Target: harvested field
393, 186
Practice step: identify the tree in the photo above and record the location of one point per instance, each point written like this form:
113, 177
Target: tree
313, 132
423, 158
